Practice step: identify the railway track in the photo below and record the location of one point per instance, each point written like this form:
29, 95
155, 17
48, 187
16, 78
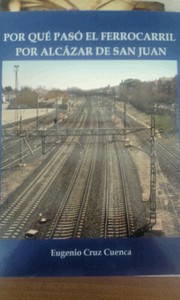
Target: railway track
21, 204
71, 205
12, 152
116, 219
69, 219
170, 208
17, 158
14, 218
168, 167
170, 156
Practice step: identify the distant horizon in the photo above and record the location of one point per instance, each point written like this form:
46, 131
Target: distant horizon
84, 75
86, 90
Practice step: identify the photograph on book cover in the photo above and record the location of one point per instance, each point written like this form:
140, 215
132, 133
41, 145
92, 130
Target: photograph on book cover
90, 144
89, 149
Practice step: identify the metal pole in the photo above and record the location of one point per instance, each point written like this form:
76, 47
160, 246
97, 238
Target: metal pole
57, 123
16, 68
152, 198
43, 143
125, 123
21, 149
37, 114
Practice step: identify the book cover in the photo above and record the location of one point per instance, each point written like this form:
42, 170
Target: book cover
90, 143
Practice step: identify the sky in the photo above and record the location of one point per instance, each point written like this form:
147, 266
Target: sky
84, 74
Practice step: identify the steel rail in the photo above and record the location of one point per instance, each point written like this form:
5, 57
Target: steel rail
21, 201
72, 226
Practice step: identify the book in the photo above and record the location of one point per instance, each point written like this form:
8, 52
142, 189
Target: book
90, 143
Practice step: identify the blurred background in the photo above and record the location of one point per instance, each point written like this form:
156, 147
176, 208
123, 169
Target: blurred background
30, 5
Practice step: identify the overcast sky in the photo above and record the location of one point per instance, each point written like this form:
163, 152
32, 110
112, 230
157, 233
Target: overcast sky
84, 74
